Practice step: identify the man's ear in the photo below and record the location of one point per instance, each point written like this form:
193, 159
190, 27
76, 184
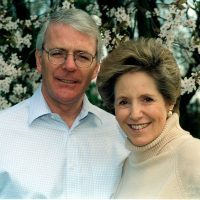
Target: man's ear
96, 71
38, 58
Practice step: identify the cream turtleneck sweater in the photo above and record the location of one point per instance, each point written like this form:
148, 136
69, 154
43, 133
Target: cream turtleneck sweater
168, 167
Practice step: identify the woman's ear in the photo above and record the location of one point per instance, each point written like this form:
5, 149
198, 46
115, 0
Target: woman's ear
170, 110
171, 107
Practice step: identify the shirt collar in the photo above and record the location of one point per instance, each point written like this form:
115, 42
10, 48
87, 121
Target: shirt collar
38, 107
89, 108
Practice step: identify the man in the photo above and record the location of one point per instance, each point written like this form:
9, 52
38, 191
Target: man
56, 144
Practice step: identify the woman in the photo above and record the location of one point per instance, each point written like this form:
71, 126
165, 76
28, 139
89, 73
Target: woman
140, 82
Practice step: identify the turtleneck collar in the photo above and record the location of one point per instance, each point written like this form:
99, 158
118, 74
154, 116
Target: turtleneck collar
171, 131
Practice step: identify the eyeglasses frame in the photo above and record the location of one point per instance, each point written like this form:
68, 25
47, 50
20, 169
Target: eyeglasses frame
49, 51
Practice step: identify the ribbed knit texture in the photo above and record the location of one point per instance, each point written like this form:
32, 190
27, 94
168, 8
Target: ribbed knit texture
168, 167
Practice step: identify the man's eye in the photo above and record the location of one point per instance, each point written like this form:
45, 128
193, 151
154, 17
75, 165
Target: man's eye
83, 56
57, 53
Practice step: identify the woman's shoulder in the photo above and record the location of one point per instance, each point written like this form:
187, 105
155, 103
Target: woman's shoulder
188, 150
188, 166
190, 146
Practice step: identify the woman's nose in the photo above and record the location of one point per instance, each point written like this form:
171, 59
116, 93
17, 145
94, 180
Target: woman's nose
135, 112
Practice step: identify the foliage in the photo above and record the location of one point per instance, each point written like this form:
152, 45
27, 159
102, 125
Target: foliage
175, 24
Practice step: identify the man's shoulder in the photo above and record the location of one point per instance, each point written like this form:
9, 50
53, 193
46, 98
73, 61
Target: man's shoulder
103, 114
17, 109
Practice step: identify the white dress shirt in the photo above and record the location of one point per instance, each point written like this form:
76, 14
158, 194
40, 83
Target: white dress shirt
40, 157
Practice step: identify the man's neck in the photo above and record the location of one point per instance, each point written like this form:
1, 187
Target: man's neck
67, 111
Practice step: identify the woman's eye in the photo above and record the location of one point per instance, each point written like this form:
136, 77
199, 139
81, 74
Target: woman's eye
123, 102
148, 99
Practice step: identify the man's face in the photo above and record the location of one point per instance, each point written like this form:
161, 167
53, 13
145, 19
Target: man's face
65, 84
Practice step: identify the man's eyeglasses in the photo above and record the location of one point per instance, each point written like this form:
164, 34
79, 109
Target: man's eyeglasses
59, 56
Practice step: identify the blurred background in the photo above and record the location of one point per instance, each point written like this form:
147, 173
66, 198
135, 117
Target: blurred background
174, 23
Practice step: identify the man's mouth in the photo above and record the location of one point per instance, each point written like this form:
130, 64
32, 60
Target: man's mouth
67, 81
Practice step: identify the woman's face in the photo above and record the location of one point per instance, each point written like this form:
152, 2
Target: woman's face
140, 109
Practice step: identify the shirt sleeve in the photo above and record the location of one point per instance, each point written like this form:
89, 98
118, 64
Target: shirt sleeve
11, 190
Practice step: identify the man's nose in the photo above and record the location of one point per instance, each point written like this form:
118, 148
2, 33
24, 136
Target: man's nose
69, 63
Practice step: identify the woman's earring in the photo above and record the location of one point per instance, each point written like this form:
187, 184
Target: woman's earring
169, 114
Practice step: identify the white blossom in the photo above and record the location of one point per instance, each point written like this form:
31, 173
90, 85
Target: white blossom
15, 59
93, 9
96, 19
36, 24
28, 23
122, 16
19, 89
148, 14
4, 48
4, 103
107, 37
7, 69
33, 17
156, 12
5, 85
20, 41
191, 23
9, 24
187, 85
68, 4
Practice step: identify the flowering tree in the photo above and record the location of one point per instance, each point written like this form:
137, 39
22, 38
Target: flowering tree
175, 24
17, 78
